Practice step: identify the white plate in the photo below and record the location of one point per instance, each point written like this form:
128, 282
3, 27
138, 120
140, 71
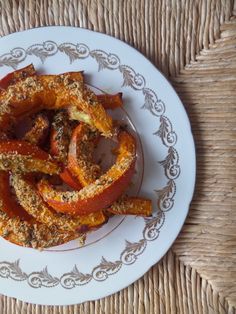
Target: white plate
123, 250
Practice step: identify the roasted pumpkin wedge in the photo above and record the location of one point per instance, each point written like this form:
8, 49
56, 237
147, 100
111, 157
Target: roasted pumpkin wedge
32, 235
110, 101
80, 154
12, 208
39, 130
18, 227
61, 131
15, 76
131, 206
106, 100
52, 92
32, 202
11, 79
102, 192
21, 156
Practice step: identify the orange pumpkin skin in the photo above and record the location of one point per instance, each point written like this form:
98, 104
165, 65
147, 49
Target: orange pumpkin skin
70, 180
110, 101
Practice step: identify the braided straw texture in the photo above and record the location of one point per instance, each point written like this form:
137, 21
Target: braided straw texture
193, 43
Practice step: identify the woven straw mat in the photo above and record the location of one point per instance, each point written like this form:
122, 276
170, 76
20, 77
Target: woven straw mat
193, 42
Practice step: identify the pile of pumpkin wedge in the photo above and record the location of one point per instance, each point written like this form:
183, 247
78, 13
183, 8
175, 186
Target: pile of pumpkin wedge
51, 188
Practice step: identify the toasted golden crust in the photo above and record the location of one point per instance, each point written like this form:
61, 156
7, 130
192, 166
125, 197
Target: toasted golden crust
13, 77
20, 156
61, 131
131, 206
33, 235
